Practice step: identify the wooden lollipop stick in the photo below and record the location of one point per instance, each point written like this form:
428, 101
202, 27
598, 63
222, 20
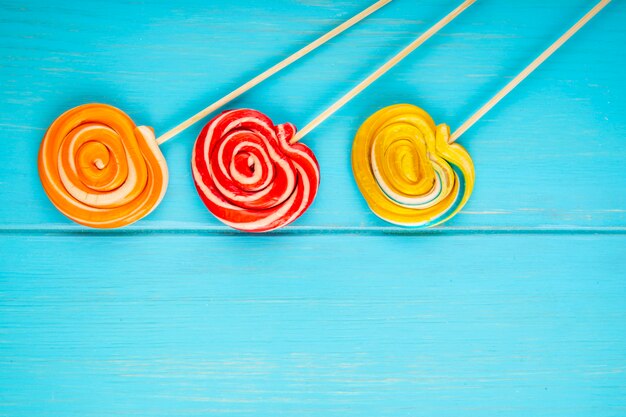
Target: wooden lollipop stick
380, 71
530, 68
271, 71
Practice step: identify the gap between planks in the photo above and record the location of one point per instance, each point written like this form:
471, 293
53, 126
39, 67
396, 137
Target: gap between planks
311, 230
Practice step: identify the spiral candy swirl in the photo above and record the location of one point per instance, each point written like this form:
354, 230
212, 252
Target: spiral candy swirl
407, 171
247, 173
101, 170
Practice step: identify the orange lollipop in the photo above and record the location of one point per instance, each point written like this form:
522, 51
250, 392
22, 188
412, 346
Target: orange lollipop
101, 170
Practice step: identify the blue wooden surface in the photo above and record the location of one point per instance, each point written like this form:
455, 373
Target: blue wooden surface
516, 307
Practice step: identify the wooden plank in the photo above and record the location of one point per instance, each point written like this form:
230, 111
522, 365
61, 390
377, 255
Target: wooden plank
511, 325
551, 155
514, 308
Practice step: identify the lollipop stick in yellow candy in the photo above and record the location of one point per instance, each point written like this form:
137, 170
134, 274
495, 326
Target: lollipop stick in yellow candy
410, 171
101, 170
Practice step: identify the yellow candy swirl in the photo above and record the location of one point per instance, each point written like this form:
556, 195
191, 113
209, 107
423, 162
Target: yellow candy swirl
407, 171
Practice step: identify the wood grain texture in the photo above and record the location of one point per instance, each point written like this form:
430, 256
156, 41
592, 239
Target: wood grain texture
514, 308
332, 325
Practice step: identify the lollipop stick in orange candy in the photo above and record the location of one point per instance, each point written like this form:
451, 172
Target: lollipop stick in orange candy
410, 171
101, 170
252, 175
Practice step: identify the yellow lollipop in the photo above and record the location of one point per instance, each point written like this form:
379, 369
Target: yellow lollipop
407, 171
410, 171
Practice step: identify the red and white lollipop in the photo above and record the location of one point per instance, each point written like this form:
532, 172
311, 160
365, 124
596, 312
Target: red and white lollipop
249, 175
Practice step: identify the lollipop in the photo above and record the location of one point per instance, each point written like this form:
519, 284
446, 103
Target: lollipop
249, 175
253, 175
410, 171
407, 171
101, 170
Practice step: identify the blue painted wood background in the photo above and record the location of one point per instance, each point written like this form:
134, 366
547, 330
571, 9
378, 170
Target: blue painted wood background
516, 307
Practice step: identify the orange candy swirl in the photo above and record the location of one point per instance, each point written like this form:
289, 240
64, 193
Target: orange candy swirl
99, 169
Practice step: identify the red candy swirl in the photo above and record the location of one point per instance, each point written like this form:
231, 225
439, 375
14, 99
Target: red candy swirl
247, 173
